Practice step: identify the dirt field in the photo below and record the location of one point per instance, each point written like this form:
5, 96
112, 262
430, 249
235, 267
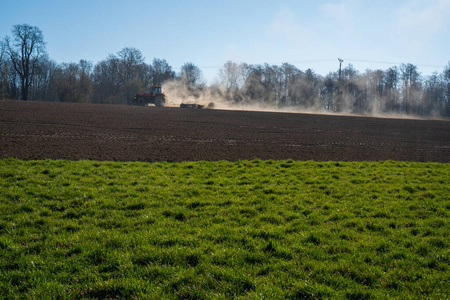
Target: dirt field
40, 130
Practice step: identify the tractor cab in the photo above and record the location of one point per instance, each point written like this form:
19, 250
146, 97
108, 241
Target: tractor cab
156, 90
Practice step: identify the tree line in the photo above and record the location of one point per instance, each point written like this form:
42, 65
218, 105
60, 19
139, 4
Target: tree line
27, 73
397, 90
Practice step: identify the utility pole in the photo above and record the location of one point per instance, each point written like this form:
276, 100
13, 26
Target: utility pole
339, 97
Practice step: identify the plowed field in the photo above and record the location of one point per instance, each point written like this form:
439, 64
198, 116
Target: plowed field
41, 130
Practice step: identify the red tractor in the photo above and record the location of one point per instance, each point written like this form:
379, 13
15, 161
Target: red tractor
155, 96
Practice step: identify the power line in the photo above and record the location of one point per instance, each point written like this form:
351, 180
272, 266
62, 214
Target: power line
279, 63
332, 60
391, 63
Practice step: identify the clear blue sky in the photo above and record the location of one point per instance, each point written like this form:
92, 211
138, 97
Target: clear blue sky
308, 34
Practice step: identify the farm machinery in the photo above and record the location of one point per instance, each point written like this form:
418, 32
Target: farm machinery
194, 105
154, 96
158, 98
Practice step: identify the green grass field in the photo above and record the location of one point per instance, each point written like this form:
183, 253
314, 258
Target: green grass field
201, 230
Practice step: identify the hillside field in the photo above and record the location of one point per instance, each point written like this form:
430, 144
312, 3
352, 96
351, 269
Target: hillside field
75, 131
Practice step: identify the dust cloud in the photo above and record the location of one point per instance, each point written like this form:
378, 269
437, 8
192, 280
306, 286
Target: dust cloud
177, 93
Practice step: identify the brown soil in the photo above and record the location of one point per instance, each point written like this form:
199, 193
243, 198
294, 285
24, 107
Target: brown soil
41, 130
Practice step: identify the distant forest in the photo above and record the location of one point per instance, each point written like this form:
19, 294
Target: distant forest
27, 73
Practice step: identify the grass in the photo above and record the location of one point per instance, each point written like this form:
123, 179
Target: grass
247, 230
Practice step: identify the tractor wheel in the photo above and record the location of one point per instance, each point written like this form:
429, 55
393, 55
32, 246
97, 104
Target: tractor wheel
160, 101
141, 101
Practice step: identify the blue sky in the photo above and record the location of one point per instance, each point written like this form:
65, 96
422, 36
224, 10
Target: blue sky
308, 34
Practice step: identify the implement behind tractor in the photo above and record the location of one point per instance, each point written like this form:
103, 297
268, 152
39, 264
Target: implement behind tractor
155, 96
194, 105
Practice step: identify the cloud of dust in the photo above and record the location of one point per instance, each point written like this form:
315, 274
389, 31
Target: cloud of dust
353, 99
177, 93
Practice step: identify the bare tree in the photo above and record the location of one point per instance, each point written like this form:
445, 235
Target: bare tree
310, 89
85, 84
328, 90
2, 52
446, 82
253, 87
288, 77
390, 83
131, 67
161, 71
107, 81
25, 50
3, 71
433, 96
42, 86
231, 76
410, 77
191, 77
73, 82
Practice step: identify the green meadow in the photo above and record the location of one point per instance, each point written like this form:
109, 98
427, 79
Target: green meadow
219, 230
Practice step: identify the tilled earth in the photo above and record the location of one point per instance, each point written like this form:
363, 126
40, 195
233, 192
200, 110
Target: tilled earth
46, 130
